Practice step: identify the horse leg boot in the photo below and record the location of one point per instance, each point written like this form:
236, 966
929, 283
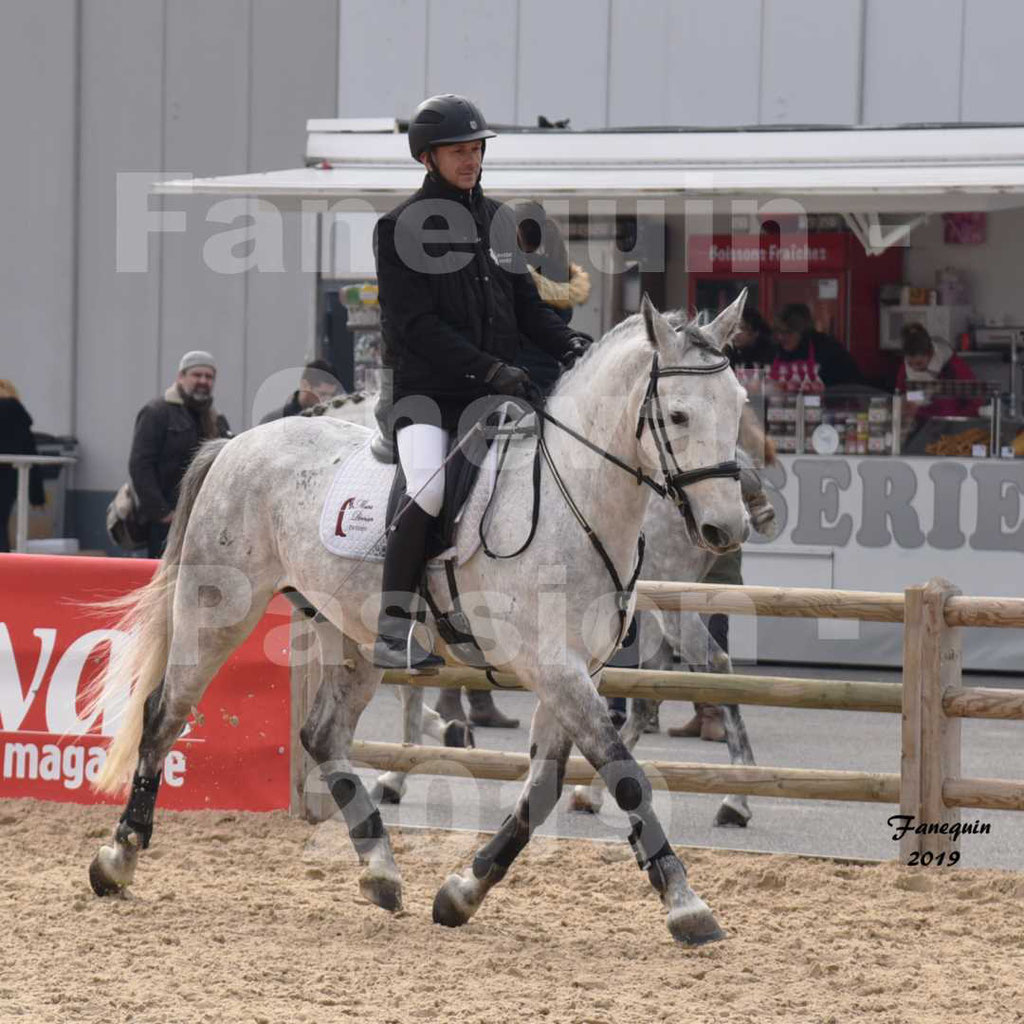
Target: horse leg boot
461, 895
113, 868
582, 711
406, 553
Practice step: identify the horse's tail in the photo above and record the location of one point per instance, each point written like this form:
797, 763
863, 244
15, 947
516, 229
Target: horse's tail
138, 664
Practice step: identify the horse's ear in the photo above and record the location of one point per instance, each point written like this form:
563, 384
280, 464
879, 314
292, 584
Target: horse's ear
659, 330
727, 323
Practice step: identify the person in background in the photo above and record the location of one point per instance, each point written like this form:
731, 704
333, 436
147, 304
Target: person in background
801, 345
15, 439
318, 383
561, 285
927, 359
753, 344
168, 431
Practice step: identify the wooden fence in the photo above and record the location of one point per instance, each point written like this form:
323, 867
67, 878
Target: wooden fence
931, 699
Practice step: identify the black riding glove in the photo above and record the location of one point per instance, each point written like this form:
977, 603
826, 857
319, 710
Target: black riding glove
505, 379
577, 347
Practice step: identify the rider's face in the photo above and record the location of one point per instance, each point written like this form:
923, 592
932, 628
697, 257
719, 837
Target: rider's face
459, 164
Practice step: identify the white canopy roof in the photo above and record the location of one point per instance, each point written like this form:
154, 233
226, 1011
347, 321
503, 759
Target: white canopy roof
852, 171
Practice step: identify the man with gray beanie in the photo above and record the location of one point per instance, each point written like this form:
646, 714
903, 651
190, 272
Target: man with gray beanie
168, 431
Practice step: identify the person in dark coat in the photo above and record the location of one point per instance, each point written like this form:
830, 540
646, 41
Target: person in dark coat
168, 431
753, 344
561, 284
319, 383
15, 439
455, 297
801, 344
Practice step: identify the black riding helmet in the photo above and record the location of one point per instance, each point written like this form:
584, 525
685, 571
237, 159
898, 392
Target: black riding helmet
442, 120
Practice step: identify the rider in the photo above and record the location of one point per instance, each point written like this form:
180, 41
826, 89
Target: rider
455, 297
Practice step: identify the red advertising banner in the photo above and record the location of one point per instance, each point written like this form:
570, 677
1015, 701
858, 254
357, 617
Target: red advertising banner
235, 751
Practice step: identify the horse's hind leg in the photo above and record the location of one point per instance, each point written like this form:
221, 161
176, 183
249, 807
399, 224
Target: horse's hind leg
418, 719
461, 895
347, 683
197, 652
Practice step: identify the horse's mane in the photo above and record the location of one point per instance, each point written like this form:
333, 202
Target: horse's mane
354, 398
622, 343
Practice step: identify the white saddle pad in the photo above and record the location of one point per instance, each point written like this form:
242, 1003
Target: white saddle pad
353, 516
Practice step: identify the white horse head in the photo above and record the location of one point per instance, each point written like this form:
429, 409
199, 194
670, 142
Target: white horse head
675, 392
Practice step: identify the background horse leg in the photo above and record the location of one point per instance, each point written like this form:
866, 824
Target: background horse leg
461, 895
733, 811
197, 651
347, 683
417, 719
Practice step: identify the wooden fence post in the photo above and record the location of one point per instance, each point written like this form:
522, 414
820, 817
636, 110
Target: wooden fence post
930, 749
305, 680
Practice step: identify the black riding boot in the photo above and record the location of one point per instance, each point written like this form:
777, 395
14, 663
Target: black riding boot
404, 559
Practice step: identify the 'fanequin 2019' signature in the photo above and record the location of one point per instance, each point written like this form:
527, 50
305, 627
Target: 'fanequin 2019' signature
904, 823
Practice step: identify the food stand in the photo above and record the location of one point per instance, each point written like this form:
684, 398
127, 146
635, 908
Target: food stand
865, 502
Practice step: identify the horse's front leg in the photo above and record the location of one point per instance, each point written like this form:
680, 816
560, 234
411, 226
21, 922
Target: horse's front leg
584, 715
461, 895
346, 686
590, 799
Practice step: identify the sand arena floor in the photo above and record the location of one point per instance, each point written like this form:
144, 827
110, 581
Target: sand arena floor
257, 918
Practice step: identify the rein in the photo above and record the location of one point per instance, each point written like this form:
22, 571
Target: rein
676, 479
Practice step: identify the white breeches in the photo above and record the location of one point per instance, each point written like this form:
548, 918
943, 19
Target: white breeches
421, 450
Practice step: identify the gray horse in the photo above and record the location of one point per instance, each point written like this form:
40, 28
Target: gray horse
649, 405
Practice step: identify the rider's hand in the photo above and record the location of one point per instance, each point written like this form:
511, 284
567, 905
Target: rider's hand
505, 379
577, 347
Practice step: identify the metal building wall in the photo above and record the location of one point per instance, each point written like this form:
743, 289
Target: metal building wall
688, 62
154, 87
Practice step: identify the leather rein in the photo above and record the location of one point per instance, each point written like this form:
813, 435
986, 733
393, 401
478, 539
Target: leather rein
676, 479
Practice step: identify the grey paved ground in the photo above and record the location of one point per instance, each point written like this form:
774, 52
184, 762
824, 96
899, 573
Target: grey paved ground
780, 737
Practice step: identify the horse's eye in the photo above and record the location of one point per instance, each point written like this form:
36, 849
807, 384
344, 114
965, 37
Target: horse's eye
680, 419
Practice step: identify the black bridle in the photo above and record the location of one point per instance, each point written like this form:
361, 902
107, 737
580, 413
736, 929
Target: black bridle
674, 487
652, 416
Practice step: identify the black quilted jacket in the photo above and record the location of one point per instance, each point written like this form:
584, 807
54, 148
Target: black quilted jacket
444, 330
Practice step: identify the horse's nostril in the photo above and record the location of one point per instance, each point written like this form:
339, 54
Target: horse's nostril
714, 537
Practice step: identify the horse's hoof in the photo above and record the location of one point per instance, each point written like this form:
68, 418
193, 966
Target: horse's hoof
109, 873
692, 923
452, 905
384, 794
730, 817
383, 890
458, 734
581, 800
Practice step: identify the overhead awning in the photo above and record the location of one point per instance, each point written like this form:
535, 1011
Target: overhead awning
860, 171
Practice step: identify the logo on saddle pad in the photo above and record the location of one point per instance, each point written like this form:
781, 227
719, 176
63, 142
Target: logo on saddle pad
354, 516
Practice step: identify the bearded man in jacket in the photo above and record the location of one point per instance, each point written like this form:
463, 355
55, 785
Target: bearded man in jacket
168, 431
